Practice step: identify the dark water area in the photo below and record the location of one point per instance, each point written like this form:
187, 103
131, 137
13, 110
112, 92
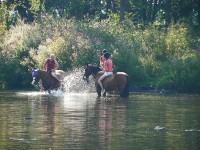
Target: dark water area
36, 120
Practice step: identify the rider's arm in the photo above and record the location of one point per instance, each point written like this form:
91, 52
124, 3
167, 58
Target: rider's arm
102, 62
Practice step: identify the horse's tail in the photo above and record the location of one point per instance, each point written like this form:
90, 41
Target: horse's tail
126, 88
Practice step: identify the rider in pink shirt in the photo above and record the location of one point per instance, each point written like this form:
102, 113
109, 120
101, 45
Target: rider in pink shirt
108, 65
108, 70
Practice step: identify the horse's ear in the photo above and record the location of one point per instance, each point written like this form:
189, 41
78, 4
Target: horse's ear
86, 64
30, 69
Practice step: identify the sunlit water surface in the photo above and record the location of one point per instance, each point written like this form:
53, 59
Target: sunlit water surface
79, 120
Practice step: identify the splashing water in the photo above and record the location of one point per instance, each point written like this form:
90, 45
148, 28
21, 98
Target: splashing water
74, 83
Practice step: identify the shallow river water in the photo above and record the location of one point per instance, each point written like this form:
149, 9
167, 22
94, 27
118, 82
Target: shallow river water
35, 120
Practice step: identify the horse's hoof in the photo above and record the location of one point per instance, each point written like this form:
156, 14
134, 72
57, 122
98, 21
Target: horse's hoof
104, 94
49, 91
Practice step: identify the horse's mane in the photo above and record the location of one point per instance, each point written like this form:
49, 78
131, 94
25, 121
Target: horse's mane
94, 68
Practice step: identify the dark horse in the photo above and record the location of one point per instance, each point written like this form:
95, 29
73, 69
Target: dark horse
118, 81
48, 82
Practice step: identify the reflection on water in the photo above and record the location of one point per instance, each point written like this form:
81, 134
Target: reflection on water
36, 120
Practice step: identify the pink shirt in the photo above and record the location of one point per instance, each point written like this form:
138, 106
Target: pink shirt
109, 65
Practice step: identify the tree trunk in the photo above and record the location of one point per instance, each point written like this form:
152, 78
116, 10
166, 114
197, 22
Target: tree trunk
149, 14
168, 10
144, 12
155, 10
198, 10
122, 10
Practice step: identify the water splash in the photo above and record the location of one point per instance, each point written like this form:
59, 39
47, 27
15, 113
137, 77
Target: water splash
74, 83
32, 93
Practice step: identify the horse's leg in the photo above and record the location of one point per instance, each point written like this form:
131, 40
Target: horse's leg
104, 94
49, 91
98, 92
62, 86
121, 90
124, 92
98, 89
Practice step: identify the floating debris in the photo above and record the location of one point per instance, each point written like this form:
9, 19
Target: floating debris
159, 128
28, 118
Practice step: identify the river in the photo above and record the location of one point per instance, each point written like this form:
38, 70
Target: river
34, 120
78, 119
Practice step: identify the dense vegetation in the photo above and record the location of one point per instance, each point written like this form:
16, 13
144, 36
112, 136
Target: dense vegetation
155, 42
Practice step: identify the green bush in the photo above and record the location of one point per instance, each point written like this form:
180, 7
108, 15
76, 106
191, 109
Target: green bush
167, 58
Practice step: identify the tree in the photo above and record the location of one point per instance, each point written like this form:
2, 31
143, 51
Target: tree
144, 11
122, 13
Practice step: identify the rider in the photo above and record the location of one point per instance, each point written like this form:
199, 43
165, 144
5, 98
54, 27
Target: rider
108, 70
102, 59
50, 65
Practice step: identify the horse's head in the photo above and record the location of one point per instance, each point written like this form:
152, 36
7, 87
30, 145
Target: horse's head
36, 77
90, 70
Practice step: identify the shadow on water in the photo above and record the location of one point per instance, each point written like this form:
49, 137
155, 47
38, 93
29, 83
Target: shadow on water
79, 120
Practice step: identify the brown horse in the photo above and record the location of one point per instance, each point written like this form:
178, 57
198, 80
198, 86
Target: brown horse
48, 82
118, 81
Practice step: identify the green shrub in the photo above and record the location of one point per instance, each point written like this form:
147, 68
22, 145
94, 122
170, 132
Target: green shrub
167, 58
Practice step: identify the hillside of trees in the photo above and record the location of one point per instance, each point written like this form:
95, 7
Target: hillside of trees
157, 42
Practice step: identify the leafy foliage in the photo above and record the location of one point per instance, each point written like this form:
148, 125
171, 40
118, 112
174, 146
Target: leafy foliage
149, 53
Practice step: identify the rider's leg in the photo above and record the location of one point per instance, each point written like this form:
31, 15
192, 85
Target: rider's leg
54, 75
100, 82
